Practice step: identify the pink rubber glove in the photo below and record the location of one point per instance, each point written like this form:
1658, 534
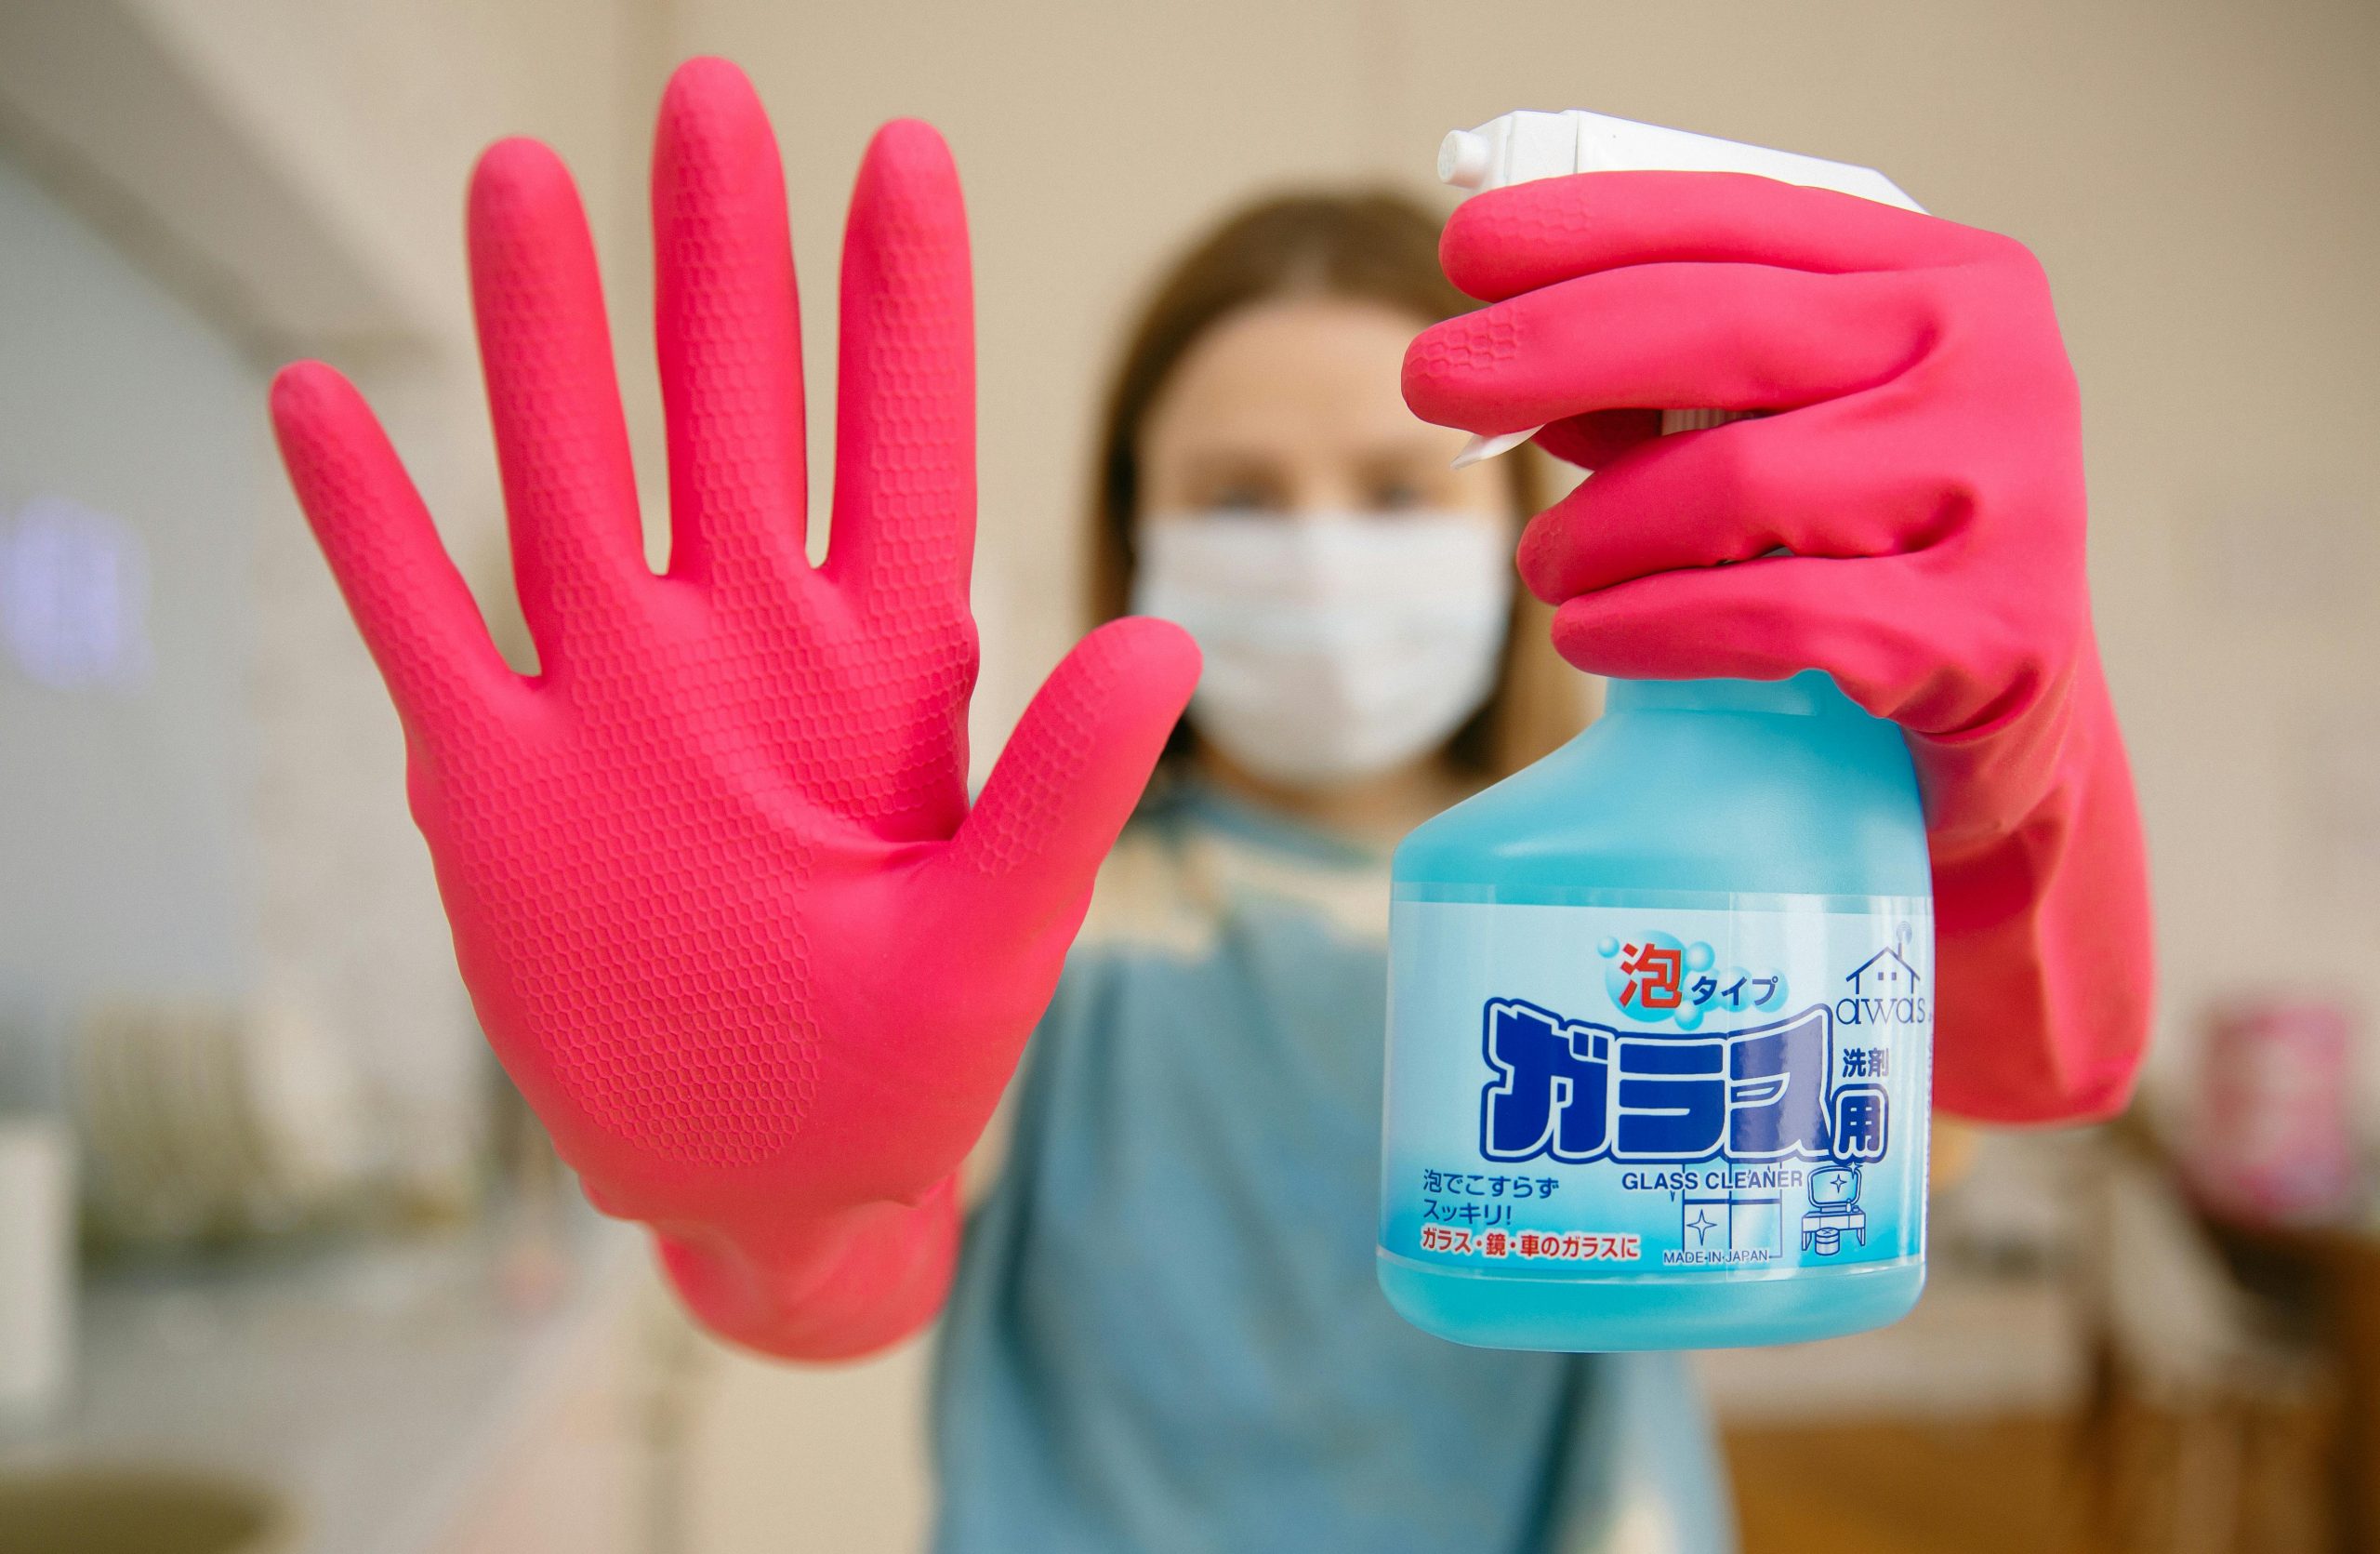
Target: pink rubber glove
1926, 470
716, 889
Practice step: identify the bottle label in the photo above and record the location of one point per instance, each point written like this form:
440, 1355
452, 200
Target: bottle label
1710, 1084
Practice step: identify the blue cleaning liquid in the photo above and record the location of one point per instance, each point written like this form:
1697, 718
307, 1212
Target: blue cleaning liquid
1661, 1033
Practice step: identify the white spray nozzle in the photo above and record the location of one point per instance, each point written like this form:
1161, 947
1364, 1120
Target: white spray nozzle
1466, 158
1525, 145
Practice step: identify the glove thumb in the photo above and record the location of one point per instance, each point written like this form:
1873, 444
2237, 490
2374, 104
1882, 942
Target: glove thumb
1072, 773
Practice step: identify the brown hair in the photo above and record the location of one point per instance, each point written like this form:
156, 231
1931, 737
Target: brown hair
1374, 247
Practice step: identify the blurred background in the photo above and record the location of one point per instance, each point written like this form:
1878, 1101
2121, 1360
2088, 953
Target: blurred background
318, 1285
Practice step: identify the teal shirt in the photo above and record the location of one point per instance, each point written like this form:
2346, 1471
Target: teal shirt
1166, 1334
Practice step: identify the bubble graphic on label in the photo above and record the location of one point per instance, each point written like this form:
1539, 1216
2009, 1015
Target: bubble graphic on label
1608, 948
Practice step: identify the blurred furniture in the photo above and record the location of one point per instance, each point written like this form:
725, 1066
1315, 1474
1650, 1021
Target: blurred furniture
484, 1388
36, 1265
1954, 1430
138, 1511
2138, 1384
1941, 1485
2239, 1464
208, 1120
2215, 1424
2237, 1471
2324, 1285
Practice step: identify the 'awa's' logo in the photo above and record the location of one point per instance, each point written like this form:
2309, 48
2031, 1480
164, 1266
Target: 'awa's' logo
1885, 989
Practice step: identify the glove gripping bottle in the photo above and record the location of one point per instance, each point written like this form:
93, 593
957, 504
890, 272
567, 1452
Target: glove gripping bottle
1661, 1006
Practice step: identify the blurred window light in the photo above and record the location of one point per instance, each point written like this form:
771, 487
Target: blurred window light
74, 596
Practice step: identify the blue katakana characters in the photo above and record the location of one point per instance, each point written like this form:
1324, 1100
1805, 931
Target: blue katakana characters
1776, 1089
1576, 1092
1672, 1097
1549, 1095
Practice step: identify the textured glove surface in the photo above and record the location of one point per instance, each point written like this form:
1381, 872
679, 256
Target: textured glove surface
715, 886
1921, 462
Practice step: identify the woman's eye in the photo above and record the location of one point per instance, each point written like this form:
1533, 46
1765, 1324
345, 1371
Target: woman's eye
1398, 495
1244, 497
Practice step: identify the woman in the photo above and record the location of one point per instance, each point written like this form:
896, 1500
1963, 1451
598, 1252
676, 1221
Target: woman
733, 925
1166, 1331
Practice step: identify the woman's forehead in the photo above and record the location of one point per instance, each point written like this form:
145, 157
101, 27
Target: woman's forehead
1293, 371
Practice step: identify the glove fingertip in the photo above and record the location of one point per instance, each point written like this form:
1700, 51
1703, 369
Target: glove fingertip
1539, 556
914, 148
1441, 373
1605, 633
1164, 658
320, 422
1079, 758
1471, 249
303, 392
704, 82
520, 198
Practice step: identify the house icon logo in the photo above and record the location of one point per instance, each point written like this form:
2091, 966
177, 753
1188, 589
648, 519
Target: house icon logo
1885, 989
1886, 974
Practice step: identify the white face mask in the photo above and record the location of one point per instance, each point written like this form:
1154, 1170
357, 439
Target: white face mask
1336, 646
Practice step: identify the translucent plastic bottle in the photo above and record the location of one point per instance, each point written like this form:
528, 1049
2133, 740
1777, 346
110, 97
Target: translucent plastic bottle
1660, 1006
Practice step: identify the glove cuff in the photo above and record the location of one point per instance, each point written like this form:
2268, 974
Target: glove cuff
2043, 932
835, 1288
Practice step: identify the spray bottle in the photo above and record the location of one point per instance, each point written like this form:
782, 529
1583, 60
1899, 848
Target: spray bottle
1661, 1006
